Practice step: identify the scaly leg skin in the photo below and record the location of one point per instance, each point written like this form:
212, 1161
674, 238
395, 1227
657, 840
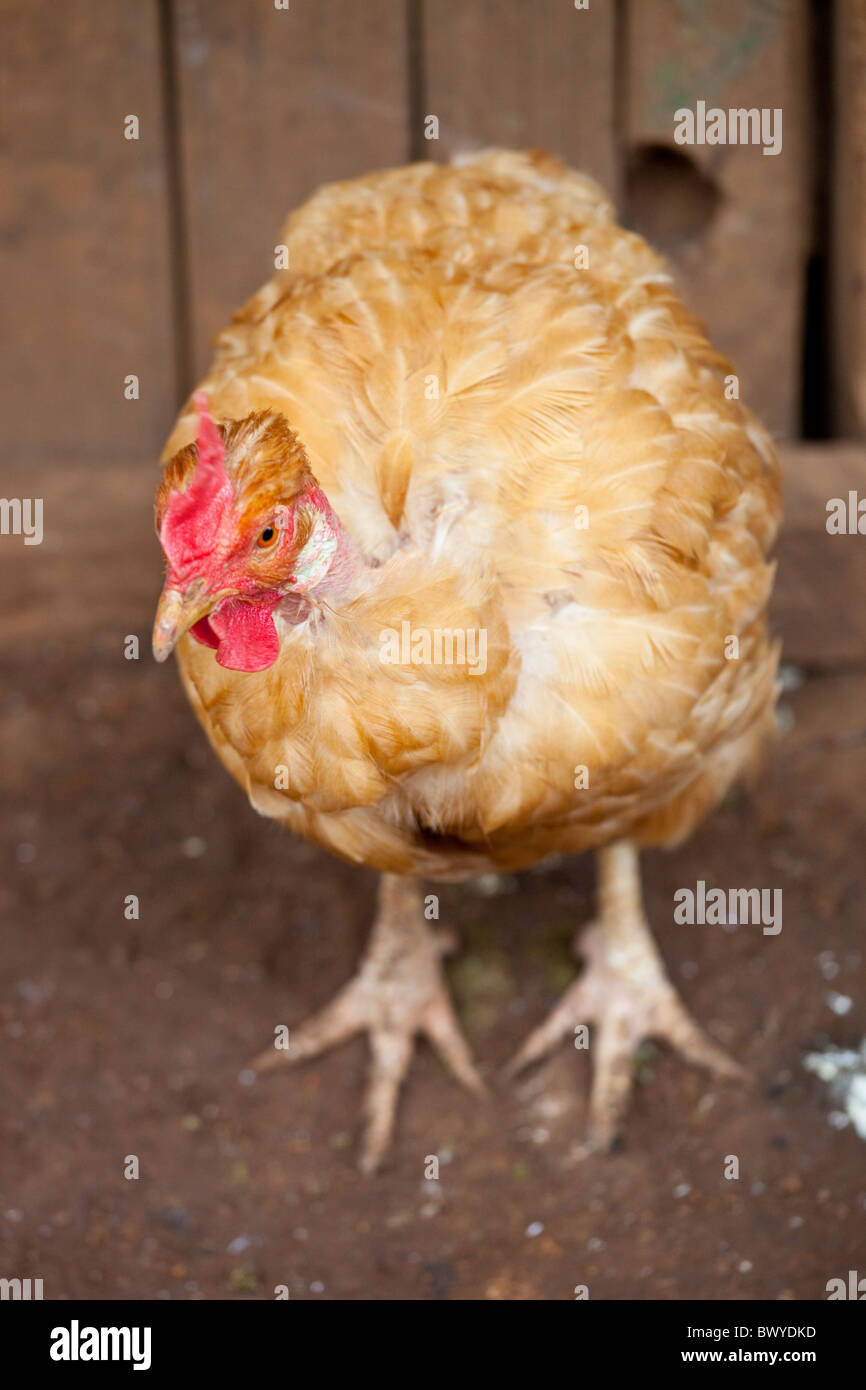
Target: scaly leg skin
399, 991
625, 992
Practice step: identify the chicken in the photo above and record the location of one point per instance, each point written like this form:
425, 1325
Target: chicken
466, 536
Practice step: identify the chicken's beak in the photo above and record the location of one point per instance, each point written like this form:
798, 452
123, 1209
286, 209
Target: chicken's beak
176, 613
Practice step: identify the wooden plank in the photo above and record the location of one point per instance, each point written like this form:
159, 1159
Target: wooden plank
849, 218
733, 222
274, 103
83, 233
819, 573
501, 72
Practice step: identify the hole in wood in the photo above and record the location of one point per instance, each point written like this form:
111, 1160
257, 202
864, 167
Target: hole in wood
669, 200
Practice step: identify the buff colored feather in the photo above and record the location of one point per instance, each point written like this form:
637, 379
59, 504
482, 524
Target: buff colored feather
461, 391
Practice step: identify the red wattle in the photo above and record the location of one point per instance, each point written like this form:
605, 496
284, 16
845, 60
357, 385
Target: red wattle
203, 633
243, 635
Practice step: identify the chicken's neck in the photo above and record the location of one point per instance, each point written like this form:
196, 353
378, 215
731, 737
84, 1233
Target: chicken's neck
329, 560
326, 568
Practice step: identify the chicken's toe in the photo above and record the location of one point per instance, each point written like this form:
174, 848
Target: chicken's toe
338, 1021
570, 1010
441, 1027
612, 1081
390, 1056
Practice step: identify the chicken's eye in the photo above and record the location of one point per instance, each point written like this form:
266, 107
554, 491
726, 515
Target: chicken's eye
267, 538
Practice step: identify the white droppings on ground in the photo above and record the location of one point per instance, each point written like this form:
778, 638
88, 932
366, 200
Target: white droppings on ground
791, 677
493, 885
828, 964
841, 1004
241, 1243
194, 847
844, 1071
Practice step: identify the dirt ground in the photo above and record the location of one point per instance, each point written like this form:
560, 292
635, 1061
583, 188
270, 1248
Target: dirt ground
131, 1037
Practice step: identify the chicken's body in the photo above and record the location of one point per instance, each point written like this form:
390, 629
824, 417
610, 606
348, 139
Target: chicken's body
531, 448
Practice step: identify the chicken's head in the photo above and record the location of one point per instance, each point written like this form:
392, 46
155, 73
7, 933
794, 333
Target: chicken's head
245, 528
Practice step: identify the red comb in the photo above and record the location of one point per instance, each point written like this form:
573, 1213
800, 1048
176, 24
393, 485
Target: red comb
208, 442
194, 518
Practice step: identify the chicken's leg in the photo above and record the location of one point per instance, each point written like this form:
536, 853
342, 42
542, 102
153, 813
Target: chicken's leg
398, 991
625, 992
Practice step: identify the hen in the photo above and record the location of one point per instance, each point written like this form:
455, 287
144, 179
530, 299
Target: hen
466, 549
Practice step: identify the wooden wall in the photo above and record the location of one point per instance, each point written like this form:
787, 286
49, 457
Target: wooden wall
84, 232
735, 222
848, 220
125, 256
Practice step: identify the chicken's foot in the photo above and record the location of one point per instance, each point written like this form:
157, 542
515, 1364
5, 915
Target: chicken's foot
625, 992
398, 992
